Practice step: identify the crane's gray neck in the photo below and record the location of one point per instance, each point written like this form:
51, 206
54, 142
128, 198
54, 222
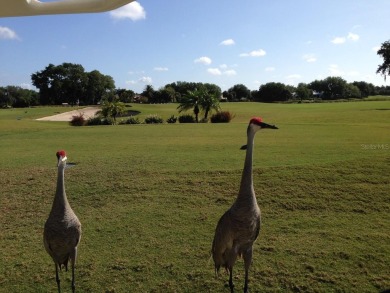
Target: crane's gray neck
247, 192
60, 200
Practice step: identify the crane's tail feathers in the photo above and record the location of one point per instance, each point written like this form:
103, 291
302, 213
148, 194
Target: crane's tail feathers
244, 147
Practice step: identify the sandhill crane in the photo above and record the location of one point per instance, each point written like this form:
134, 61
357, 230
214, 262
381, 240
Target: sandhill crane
239, 226
62, 230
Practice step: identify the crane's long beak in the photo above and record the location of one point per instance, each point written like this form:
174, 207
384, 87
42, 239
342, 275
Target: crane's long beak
61, 159
265, 125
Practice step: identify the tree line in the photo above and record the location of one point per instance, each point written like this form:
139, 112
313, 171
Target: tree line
69, 83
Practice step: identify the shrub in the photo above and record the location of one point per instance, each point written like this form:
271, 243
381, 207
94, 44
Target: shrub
186, 119
131, 120
78, 120
222, 117
172, 119
153, 119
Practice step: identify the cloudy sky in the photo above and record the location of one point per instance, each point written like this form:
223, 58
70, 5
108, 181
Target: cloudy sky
228, 42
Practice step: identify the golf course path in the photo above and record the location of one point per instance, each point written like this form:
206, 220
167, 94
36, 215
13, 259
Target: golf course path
88, 112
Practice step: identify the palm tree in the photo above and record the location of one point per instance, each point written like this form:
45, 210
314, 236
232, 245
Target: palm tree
112, 109
208, 101
190, 101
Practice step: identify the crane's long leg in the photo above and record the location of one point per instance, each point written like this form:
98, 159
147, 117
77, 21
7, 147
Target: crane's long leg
247, 256
73, 261
231, 285
58, 279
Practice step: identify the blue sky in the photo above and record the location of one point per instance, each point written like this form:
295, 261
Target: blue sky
228, 42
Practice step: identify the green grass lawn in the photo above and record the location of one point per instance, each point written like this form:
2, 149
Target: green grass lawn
149, 198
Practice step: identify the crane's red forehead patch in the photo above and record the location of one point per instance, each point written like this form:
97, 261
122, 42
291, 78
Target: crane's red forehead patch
61, 153
256, 120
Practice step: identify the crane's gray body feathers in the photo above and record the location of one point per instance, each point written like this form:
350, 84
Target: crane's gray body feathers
61, 237
62, 231
234, 235
239, 226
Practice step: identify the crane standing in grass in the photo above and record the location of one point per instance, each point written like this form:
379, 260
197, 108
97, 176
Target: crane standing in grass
239, 226
62, 230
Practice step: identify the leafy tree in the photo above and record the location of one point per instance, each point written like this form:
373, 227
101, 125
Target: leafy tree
303, 92
164, 95
6, 98
238, 92
331, 88
149, 93
366, 89
14, 96
336, 88
352, 92
112, 109
170, 93
98, 86
384, 52
74, 82
181, 88
272, 92
69, 83
125, 96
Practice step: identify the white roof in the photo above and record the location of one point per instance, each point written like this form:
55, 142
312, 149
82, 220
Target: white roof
10, 8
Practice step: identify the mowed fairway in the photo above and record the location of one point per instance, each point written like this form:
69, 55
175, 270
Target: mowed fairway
149, 198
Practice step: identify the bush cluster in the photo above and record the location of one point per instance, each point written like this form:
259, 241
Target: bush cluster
131, 120
98, 120
172, 119
78, 120
153, 119
222, 117
186, 119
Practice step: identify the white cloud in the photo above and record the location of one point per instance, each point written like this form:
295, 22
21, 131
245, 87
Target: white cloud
375, 49
269, 69
8, 34
223, 66
255, 53
353, 37
133, 11
230, 72
203, 60
338, 40
227, 42
350, 37
214, 71
294, 76
309, 58
145, 79
217, 71
160, 69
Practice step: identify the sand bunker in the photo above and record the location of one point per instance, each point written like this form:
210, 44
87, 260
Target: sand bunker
88, 112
